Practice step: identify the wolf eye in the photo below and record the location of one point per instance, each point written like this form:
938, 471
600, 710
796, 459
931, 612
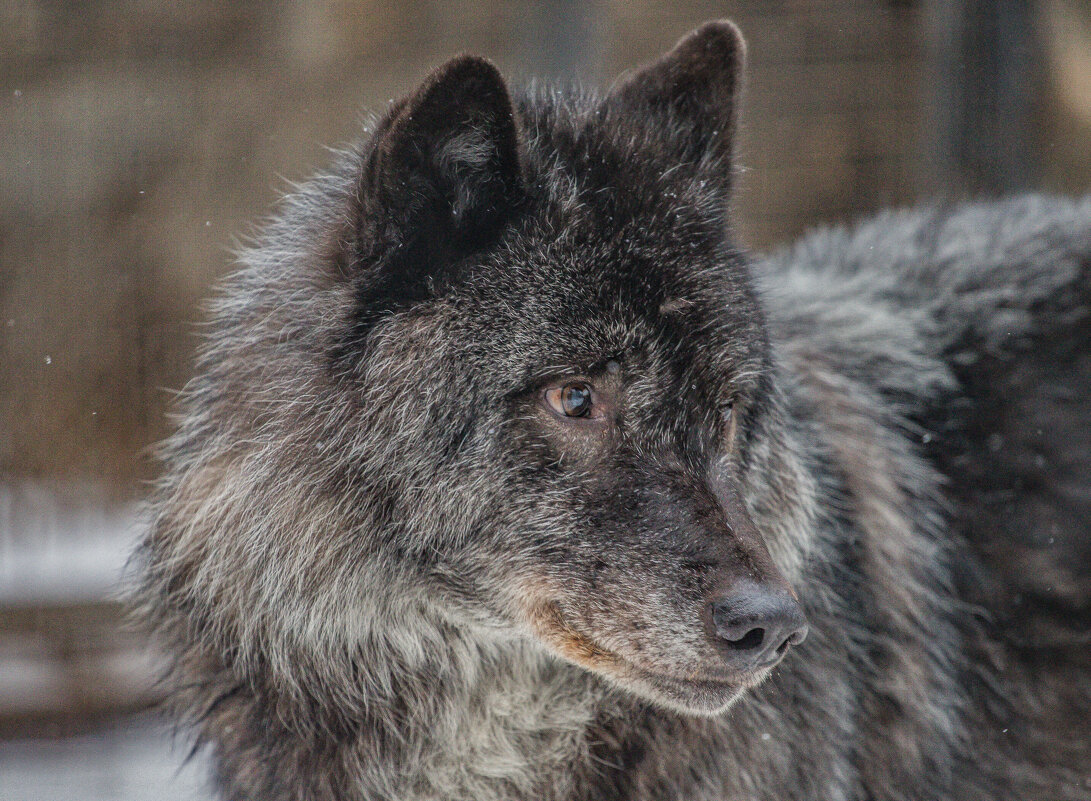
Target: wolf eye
571, 400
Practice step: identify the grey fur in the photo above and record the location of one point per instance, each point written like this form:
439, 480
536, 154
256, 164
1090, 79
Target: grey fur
361, 533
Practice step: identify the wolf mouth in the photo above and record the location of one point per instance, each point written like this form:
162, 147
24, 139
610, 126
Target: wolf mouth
700, 695
586, 652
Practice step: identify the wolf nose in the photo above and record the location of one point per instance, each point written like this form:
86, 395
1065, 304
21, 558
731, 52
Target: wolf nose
754, 625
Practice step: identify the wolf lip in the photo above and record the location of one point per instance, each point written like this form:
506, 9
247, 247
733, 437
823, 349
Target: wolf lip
603, 660
720, 678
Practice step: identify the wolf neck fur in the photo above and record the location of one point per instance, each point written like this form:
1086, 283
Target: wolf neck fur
465, 713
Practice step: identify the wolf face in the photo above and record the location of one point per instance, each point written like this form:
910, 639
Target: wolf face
501, 372
567, 362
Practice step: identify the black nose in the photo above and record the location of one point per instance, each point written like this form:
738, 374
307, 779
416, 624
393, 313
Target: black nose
754, 625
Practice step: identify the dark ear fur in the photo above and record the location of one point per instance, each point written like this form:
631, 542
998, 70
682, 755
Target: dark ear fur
444, 163
442, 175
695, 87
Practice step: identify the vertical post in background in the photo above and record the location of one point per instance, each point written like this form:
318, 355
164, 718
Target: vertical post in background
565, 39
979, 97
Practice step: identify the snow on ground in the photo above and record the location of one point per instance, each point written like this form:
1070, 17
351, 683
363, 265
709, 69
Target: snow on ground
133, 761
62, 545
65, 548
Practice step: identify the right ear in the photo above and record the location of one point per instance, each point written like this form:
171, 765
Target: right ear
444, 165
692, 92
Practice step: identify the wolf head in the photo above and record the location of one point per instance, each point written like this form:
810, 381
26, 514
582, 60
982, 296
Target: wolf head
505, 363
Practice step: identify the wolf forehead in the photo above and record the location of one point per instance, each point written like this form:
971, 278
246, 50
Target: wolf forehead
611, 245
556, 227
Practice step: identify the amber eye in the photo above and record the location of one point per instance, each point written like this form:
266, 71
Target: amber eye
571, 400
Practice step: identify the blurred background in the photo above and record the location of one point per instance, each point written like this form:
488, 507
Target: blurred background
139, 137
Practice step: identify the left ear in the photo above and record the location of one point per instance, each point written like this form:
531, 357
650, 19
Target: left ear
445, 161
440, 178
694, 91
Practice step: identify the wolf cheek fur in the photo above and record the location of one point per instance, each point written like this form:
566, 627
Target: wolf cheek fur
496, 471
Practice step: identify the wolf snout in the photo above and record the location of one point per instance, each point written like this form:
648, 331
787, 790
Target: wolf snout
753, 625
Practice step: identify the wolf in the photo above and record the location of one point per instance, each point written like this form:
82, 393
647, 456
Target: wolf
506, 473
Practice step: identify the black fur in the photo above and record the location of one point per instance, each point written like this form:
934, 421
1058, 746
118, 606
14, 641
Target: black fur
387, 567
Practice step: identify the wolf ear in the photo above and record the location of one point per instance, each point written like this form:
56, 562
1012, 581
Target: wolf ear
694, 89
444, 165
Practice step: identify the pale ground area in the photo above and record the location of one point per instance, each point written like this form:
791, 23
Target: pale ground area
135, 761
64, 647
62, 544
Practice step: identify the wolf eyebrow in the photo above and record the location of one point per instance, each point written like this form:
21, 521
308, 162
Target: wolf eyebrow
676, 306
609, 364
551, 371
